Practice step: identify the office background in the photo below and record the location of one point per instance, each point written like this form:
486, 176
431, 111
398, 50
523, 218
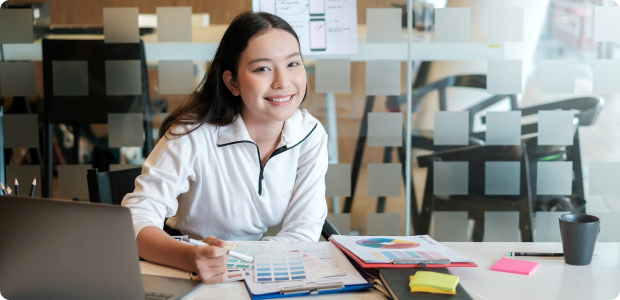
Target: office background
499, 176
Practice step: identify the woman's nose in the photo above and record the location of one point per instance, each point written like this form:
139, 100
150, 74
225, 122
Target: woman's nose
280, 80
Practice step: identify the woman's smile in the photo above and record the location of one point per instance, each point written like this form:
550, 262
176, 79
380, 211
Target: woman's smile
280, 100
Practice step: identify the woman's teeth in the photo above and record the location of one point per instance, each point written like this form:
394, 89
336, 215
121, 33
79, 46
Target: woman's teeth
279, 99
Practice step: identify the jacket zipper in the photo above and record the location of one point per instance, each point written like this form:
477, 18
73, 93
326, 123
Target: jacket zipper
276, 152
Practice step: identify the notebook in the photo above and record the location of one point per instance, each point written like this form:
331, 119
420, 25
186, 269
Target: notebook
515, 266
396, 280
435, 280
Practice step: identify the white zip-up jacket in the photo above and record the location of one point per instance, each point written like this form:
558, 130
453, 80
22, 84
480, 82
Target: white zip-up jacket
210, 182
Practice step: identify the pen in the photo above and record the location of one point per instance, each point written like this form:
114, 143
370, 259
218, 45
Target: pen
232, 254
16, 187
32, 187
534, 254
3, 190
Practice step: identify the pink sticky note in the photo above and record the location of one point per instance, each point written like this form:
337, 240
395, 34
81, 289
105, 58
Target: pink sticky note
515, 266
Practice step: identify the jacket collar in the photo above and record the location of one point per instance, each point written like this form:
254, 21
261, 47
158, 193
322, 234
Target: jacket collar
296, 129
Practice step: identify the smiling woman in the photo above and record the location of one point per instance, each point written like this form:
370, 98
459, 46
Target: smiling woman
237, 157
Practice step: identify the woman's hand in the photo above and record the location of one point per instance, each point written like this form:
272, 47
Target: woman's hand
210, 261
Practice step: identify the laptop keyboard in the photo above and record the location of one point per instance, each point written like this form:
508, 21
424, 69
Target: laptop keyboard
156, 296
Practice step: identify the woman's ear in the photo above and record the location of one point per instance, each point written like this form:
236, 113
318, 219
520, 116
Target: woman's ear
230, 83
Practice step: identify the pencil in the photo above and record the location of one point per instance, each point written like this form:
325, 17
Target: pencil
32, 187
3, 190
16, 187
8, 190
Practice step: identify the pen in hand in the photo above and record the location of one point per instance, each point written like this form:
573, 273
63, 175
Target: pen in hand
232, 254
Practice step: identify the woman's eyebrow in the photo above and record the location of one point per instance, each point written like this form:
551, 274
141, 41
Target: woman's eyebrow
269, 59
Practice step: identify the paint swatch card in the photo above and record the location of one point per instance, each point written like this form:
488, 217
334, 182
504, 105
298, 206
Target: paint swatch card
316, 268
252, 248
285, 266
238, 274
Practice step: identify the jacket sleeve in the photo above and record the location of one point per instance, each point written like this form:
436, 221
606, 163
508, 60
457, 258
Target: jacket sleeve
307, 209
166, 173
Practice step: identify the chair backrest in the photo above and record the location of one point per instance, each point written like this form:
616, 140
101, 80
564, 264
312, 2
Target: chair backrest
111, 187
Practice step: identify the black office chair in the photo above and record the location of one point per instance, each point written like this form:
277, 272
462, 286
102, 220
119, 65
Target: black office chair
528, 153
94, 108
421, 139
111, 187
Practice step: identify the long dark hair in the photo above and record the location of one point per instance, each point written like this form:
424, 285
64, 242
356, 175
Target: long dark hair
212, 102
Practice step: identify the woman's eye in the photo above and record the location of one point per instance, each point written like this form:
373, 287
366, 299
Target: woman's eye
293, 64
261, 69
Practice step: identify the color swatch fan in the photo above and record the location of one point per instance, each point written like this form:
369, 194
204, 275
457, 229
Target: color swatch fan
384, 243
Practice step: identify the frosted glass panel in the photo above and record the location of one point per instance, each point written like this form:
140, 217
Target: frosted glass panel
338, 180
502, 178
16, 26
452, 25
554, 178
383, 77
174, 24
504, 77
555, 127
605, 76
120, 25
125, 130
342, 222
72, 181
610, 222
383, 224
451, 128
176, 77
333, 76
70, 78
548, 226
25, 175
557, 76
384, 180
116, 167
450, 178
501, 226
18, 79
383, 25
123, 77
21, 131
450, 226
604, 178
606, 23
503, 128
505, 24
385, 129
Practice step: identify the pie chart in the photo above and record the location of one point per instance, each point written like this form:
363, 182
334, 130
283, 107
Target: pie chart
383, 243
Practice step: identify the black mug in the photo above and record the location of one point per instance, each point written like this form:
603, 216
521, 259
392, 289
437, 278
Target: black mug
579, 233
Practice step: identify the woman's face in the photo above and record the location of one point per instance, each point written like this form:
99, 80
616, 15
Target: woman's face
271, 78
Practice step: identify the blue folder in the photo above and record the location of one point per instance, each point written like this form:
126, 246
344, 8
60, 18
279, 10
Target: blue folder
347, 288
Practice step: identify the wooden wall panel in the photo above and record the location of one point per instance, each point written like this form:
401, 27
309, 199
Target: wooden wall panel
73, 12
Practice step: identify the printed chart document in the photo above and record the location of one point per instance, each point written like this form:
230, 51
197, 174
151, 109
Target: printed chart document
383, 249
325, 252
323, 26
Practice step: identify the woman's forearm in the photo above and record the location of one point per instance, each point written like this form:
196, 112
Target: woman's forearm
157, 246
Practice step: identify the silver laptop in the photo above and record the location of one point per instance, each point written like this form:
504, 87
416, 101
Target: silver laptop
53, 249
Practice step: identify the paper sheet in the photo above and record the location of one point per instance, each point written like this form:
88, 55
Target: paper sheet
330, 253
149, 268
383, 249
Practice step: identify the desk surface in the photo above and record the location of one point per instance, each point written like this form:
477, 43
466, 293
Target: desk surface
553, 280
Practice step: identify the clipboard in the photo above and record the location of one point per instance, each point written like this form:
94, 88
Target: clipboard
311, 289
401, 263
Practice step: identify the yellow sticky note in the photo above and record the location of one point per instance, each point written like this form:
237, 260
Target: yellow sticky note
431, 290
434, 280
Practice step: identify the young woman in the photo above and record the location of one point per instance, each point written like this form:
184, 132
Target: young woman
237, 157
